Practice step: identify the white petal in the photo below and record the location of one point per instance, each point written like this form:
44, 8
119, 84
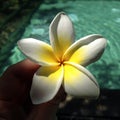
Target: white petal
46, 83
86, 50
37, 51
61, 33
79, 82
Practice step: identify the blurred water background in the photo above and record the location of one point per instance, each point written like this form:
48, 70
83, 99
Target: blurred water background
31, 18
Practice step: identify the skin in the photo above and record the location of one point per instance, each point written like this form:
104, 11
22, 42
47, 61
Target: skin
15, 103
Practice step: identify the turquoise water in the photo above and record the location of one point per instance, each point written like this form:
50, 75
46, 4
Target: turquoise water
89, 17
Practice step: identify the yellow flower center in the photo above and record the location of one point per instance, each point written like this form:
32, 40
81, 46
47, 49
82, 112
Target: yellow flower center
61, 61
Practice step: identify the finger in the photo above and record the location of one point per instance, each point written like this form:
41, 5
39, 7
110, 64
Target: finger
24, 69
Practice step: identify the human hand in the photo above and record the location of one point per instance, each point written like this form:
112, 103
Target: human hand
16, 81
15, 86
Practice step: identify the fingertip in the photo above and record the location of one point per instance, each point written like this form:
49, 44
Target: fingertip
28, 64
25, 68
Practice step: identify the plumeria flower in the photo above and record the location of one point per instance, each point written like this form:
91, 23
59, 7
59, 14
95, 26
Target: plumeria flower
63, 62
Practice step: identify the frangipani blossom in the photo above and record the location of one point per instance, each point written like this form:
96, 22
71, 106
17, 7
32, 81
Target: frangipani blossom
63, 62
